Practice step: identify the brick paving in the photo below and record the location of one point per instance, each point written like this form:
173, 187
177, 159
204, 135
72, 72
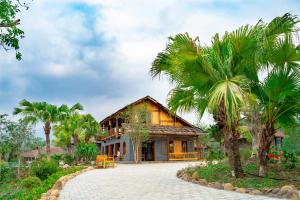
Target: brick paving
155, 181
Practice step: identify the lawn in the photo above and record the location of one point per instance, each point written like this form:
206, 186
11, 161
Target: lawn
277, 176
14, 190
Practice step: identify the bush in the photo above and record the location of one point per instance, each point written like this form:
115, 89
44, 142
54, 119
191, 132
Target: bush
290, 160
44, 168
57, 157
69, 159
4, 171
31, 181
86, 152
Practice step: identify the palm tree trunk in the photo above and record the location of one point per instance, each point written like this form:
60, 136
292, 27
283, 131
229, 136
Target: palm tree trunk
232, 148
264, 146
47, 130
231, 140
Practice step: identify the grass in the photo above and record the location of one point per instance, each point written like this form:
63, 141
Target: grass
221, 173
13, 189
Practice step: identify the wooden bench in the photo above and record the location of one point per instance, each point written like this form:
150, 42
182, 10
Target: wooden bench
105, 161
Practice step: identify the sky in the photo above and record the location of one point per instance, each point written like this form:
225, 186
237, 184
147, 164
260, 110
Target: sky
99, 52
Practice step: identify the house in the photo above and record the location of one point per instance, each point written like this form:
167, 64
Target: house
34, 153
171, 137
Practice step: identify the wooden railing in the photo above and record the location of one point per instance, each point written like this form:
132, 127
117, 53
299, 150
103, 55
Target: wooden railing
184, 156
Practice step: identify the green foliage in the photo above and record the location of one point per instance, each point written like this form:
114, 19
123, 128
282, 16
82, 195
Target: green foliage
4, 171
290, 160
10, 33
57, 157
44, 168
215, 154
31, 181
22, 193
221, 173
69, 159
87, 152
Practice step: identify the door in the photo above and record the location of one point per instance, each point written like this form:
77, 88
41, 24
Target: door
148, 151
177, 146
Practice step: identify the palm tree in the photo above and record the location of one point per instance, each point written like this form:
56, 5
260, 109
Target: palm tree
91, 127
278, 95
48, 114
211, 78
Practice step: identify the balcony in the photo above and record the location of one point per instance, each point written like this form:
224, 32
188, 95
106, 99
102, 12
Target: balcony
184, 156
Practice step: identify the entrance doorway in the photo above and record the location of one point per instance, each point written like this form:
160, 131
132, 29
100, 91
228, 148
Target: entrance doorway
148, 151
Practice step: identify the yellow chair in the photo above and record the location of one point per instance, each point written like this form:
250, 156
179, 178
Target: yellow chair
105, 161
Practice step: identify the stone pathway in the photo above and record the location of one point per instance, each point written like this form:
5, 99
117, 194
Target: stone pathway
143, 182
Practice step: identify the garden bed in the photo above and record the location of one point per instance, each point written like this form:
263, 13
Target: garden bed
14, 190
278, 183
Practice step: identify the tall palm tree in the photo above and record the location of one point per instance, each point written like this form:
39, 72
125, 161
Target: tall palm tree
220, 78
48, 114
211, 78
278, 94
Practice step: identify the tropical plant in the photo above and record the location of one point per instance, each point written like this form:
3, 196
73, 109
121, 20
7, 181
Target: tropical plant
46, 113
86, 152
213, 79
44, 168
68, 132
91, 127
220, 78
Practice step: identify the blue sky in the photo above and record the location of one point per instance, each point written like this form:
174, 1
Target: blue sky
98, 52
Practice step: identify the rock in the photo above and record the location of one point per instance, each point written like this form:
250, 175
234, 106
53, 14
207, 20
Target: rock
295, 196
65, 166
241, 190
217, 185
61, 163
275, 190
54, 193
52, 198
256, 192
288, 188
228, 186
195, 175
202, 182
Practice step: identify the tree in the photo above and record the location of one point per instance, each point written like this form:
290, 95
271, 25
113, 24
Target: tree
15, 137
278, 94
10, 34
46, 113
213, 79
137, 127
69, 131
91, 127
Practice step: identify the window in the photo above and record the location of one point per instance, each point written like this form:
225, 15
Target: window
171, 147
184, 146
124, 149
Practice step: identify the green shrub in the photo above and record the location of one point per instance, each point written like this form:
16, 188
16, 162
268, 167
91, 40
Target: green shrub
57, 157
4, 171
69, 159
290, 160
31, 181
44, 168
86, 152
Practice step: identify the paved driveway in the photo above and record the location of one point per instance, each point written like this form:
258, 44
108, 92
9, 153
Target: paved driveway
143, 182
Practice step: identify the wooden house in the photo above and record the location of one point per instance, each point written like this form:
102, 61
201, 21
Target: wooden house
171, 137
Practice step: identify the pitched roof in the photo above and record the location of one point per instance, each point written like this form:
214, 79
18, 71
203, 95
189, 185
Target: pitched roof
150, 99
35, 152
173, 130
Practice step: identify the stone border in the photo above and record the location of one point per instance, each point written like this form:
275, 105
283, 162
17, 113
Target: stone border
287, 191
53, 193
